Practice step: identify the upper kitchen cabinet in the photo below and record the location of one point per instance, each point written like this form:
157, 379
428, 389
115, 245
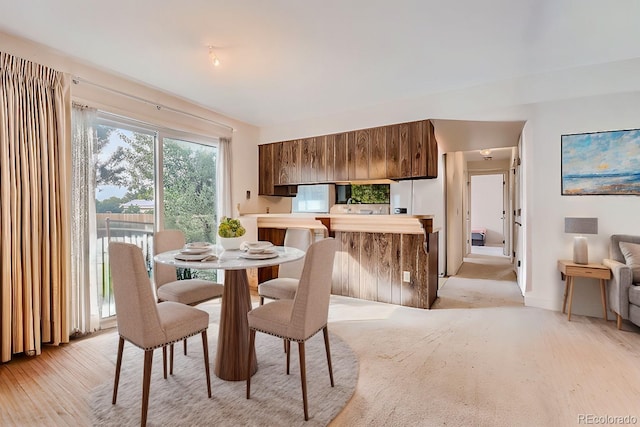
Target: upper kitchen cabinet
327, 160
358, 154
286, 162
267, 172
340, 157
401, 151
309, 161
424, 150
378, 153
398, 151
316, 160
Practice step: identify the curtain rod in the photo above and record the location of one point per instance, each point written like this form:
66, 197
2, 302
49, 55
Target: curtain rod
78, 80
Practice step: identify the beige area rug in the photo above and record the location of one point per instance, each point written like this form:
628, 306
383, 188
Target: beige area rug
276, 398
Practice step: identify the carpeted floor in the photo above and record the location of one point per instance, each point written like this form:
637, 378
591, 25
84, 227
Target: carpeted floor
276, 398
481, 358
478, 358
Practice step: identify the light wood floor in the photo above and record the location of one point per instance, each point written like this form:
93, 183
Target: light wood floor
478, 358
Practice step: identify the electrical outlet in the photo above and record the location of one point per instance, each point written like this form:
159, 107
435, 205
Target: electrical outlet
406, 276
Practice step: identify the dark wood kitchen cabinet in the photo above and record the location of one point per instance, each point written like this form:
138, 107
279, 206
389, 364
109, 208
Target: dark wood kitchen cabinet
309, 164
327, 153
424, 150
340, 157
267, 171
400, 151
287, 162
358, 154
378, 153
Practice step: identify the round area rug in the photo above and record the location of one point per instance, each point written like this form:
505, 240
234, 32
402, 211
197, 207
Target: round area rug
276, 398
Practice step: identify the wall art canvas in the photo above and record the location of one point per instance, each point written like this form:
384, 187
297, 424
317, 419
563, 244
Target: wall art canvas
601, 163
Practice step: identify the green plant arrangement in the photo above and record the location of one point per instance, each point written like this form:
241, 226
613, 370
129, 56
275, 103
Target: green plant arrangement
230, 227
371, 193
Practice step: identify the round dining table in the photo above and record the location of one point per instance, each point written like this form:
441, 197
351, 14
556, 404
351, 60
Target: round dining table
233, 335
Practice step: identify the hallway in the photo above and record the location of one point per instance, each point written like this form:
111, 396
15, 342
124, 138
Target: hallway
482, 281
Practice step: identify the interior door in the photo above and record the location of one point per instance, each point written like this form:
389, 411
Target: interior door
506, 223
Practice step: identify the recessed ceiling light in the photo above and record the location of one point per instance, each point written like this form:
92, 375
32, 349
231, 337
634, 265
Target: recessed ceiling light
485, 151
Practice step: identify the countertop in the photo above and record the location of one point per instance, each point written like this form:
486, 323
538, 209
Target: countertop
401, 223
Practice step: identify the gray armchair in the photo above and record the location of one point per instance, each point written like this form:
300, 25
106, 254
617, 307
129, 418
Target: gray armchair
624, 290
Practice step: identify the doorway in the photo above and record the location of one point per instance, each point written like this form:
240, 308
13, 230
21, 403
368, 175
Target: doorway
487, 225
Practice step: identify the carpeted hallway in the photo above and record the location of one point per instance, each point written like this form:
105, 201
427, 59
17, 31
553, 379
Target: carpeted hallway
480, 358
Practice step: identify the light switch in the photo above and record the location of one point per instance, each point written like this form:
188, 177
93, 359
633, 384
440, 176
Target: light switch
406, 276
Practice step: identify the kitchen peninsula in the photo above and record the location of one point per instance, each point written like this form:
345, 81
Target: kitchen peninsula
385, 258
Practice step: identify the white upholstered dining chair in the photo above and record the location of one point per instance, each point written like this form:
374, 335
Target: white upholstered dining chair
144, 322
169, 288
300, 318
284, 286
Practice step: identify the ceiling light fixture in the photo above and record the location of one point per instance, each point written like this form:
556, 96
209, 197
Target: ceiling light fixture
485, 151
212, 56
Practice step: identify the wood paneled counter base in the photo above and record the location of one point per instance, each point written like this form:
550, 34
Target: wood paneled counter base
385, 258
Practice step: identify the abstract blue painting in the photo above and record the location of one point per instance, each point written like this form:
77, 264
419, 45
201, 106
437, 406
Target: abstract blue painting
601, 163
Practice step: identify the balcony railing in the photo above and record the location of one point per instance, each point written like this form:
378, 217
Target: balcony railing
130, 228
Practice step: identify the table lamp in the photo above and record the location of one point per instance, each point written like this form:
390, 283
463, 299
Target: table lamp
580, 226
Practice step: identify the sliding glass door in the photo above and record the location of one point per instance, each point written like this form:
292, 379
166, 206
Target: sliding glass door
124, 167
189, 192
148, 179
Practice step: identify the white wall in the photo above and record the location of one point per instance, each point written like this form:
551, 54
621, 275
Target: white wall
456, 176
616, 214
486, 206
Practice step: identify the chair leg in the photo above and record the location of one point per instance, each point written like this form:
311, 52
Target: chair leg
185, 346
171, 359
252, 343
205, 349
287, 349
118, 365
146, 383
164, 361
303, 379
325, 332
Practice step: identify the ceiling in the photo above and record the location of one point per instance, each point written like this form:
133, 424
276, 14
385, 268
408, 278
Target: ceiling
289, 60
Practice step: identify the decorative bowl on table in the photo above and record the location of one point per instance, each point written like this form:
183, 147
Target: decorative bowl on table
231, 243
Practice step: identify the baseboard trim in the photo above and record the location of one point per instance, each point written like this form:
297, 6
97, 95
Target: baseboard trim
540, 303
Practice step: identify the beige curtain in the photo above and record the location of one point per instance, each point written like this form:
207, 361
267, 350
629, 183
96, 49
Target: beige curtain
35, 167
84, 293
224, 179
